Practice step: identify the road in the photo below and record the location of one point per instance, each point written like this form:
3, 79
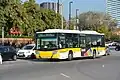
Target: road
104, 68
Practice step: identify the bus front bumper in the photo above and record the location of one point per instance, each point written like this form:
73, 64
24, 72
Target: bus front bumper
53, 56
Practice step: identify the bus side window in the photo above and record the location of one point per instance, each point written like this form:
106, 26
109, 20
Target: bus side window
98, 44
88, 39
66, 45
61, 45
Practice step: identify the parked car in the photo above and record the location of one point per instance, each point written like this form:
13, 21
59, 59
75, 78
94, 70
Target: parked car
8, 52
27, 51
117, 48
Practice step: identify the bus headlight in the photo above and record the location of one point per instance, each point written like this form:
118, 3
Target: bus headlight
37, 52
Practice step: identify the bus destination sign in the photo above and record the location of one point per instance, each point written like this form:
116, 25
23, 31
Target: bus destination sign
46, 35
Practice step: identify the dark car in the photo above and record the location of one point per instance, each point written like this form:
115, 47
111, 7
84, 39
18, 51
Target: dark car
117, 48
8, 52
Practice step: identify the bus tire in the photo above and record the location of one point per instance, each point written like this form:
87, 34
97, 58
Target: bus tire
94, 54
70, 56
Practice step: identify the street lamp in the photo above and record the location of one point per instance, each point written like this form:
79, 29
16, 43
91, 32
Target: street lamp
70, 13
62, 15
77, 18
58, 6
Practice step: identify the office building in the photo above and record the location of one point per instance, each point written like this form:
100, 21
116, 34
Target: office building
51, 5
113, 9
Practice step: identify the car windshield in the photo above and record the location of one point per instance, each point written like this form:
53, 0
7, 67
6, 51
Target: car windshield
28, 47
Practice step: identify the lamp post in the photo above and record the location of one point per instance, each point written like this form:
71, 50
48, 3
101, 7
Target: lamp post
77, 18
62, 20
62, 9
58, 6
70, 13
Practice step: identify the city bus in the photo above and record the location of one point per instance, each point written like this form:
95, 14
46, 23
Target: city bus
69, 44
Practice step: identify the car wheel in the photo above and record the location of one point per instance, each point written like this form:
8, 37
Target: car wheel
116, 49
14, 57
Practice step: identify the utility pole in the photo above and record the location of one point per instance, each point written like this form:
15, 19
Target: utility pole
62, 20
70, 13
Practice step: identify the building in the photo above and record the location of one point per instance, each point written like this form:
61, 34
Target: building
51, 5
113, 9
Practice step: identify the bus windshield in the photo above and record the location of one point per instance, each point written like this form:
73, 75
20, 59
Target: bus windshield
48, 43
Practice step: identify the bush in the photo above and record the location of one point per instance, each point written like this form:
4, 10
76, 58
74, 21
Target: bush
15, 36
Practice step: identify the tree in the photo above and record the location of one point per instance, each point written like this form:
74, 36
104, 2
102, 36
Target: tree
115, 37
10, 13
104, 29
27, 16
97, 21
93, 20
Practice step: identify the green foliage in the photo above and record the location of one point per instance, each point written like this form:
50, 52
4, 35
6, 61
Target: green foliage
115, 37
97, 21
92, 20
104, 29
28, 16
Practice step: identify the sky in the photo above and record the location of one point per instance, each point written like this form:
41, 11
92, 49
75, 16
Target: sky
82, 5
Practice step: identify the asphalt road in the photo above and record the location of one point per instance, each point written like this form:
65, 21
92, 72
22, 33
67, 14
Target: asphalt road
104, 68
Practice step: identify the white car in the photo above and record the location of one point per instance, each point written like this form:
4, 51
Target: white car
26, 51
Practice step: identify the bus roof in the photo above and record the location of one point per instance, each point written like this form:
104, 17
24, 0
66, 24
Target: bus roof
91, 32
70, 31
60, 31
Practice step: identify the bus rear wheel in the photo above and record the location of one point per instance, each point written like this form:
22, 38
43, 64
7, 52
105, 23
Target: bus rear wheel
94, 55
70, 56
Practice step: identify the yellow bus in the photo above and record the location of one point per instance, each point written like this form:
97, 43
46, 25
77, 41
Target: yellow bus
69, 44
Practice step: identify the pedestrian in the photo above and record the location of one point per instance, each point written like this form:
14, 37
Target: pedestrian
0, 58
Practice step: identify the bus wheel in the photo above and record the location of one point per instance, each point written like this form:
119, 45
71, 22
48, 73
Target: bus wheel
70, 56
94, 55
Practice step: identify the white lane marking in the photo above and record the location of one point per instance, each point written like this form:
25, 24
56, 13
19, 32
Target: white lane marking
64, 75
103, 66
